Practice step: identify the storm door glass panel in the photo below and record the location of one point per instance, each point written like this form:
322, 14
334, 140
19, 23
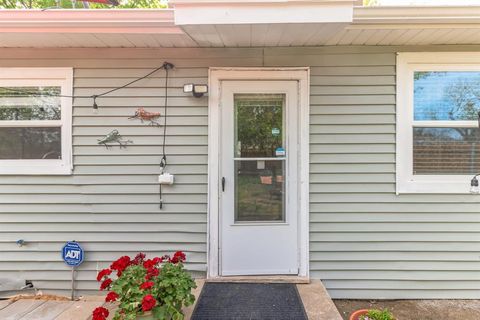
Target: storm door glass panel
260, 157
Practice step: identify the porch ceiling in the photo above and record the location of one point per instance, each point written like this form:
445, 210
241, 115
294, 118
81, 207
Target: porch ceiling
157, 28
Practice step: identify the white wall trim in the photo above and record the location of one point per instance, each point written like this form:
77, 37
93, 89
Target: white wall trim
259, 12
62, 77
216, 75
407, 63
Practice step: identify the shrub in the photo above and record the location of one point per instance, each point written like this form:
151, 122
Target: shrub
374, 314
160, 285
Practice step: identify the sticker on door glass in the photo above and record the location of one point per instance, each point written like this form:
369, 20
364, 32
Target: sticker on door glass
260, 165
275, 132
279, 152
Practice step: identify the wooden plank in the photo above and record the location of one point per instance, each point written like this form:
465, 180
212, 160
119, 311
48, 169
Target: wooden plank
79, 310
5, 303
111, 307
48, 310
19, 309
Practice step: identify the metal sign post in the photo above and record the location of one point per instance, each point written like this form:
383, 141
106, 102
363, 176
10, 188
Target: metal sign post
73, 283
73, 255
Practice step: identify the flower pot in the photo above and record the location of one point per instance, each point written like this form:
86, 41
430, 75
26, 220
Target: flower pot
146, 316
357, 314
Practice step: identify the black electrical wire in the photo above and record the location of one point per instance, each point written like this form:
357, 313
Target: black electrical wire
163, 162
165, 65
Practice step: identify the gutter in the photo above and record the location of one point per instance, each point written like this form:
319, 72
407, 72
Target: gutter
158, 21
170, 21
417, 15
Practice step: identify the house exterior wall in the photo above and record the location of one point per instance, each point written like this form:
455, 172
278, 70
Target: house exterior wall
365, 241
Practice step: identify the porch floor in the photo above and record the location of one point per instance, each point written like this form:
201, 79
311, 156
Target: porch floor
315, 298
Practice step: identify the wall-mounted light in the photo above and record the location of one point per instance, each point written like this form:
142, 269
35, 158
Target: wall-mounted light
95, 105
474, 188
198, 90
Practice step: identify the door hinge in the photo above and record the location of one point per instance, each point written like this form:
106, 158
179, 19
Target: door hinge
223, 184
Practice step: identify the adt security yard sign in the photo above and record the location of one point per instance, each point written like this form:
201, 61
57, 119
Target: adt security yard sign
72, 254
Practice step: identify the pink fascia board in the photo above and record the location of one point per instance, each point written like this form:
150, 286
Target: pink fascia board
159, 21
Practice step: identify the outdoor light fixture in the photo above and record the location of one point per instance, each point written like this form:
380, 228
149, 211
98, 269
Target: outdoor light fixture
198, 90
95, 105
474, 188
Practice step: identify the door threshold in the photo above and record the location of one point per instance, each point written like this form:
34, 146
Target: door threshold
261, 279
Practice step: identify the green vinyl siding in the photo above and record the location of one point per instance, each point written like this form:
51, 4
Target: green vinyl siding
365, 241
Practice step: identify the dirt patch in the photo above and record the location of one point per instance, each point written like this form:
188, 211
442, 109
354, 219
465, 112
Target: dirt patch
416, 309
48, 297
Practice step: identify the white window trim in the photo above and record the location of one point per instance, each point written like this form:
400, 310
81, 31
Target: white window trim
407, 63
62, 77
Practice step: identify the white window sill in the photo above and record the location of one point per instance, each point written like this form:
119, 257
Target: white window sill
32, 167
435, 187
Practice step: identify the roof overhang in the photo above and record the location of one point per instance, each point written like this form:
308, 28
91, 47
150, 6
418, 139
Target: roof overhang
245, 23
218, 12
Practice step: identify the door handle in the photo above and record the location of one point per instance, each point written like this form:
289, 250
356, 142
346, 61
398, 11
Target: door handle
223, 184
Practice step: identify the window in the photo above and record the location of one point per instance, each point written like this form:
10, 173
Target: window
35, 123
438, 135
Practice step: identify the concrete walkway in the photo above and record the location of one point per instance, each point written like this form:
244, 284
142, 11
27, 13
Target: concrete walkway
315, 298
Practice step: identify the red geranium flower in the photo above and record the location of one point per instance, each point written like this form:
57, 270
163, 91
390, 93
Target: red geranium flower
157, 260
111, 297
100, 313
153, 272
179, 256
149, 264
103, 273
146, 285
139, 258
148, 302
121, 264
105, 284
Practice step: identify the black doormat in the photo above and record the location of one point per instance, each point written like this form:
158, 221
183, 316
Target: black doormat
252, 301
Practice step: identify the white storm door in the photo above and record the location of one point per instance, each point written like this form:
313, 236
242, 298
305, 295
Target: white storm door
258, 172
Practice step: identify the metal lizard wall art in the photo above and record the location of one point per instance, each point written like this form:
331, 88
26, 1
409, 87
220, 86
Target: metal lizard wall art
114, 136
144, 115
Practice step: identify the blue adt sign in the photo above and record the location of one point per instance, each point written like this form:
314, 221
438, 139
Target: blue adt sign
72, 254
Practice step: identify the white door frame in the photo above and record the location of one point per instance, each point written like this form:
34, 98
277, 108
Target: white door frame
216, 76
